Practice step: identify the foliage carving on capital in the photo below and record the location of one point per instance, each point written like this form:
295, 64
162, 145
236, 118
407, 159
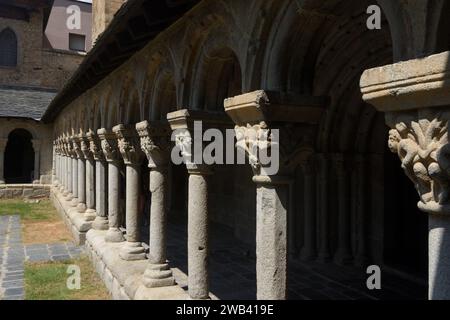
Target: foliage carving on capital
84, 146
155, 143
76, 144
94, 146
420, 139
128, 145
108, 143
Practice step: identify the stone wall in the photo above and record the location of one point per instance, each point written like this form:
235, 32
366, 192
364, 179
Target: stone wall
37, 66
102, 14
27, 191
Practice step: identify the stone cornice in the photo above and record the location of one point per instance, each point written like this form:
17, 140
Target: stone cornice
408, 85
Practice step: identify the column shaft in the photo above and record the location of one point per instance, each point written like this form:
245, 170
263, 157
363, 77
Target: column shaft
113, 234
74, 181
309, 230
198, 278
438, 257
271, 224
132, 250
2, 162
81, 185
324, 245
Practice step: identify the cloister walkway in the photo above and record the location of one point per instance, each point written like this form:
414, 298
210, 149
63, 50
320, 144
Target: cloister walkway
232, 269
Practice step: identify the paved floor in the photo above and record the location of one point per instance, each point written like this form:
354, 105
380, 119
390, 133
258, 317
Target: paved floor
13, 255
232, 269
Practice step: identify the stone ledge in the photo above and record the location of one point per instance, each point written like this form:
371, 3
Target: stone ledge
74, 220
123, 279
29, 191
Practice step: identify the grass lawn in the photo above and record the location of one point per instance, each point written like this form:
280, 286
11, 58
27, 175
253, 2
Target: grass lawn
40, 221
47, 281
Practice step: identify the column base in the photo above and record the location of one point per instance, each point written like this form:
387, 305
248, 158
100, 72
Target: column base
158, 275
132, 251
81, 207
2, 182
90, 215
74, 202
114, 235
100, 223
68, 196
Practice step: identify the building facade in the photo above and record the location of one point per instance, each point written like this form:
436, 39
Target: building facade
336, 89
33, 67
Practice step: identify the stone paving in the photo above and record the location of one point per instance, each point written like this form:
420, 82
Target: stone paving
13, 255
232, 270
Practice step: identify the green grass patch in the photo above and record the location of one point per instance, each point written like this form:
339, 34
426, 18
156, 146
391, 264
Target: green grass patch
48, 281
29, 211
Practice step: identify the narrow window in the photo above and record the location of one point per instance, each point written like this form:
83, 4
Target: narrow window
8, 48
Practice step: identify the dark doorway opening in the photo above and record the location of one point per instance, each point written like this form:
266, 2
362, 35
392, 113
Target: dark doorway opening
405, 226
19, 157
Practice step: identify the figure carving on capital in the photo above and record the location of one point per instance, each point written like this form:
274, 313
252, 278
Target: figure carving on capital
420, 139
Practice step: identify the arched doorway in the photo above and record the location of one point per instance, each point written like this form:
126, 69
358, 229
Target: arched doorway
19, 157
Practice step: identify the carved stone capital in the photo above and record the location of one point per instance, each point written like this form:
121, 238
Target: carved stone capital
275, 124
94, 146
155, 142
84, 146
413, 95
108, 143
183, 124
76, 144
420, 139
128, 144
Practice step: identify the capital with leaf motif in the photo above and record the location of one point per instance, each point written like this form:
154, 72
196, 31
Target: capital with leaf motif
84, 146
94, 146
108, 143
275, 131
128, 144
155, 142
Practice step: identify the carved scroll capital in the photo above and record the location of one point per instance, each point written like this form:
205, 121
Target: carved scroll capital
94, 146
420, 139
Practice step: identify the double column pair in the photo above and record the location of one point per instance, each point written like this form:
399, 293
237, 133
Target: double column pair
131, 144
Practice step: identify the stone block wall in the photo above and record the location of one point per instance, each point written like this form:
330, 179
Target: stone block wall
28, 191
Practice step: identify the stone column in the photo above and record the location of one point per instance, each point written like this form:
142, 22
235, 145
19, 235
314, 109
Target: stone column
324, 244
282, 126
69, 187
309, 242
37, 160
155, 143
81, 207
111, 154
3, 143
96, 183
344, 250
182, 123
132, 156
415, 97
76, 154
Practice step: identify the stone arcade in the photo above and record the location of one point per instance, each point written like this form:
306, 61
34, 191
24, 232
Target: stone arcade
298, 66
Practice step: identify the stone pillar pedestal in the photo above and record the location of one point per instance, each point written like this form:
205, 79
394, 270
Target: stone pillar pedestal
132, 155
155, 144
111, 154
415, 97
282, 126
3, 143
